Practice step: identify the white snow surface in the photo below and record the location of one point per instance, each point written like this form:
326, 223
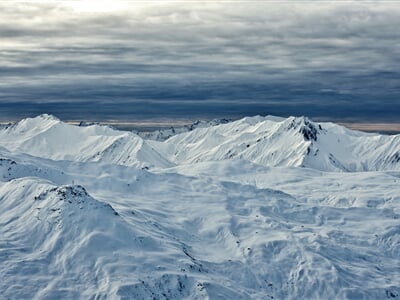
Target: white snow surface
260, 208
297, 142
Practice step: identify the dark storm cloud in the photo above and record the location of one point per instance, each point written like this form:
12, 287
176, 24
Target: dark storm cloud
338, 60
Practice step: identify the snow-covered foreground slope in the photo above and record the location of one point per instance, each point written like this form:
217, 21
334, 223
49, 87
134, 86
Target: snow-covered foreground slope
199, 227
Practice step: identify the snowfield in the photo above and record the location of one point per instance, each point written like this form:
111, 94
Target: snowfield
259, 208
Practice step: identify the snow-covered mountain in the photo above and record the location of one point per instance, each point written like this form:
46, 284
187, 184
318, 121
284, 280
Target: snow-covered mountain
242, 210
299, 142
166, 133
269, 141
48, 137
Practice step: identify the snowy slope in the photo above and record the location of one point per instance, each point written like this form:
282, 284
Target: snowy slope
166, 133
209, 227
269, 141
273, 141
58, 242
48, 137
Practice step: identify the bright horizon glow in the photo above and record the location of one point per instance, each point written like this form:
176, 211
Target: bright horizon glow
97, 6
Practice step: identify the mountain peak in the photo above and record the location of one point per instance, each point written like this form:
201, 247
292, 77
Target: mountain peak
65, 192
308, 129
47, 117
75, 195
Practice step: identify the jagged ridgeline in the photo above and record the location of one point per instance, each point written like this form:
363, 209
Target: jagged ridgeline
269, 141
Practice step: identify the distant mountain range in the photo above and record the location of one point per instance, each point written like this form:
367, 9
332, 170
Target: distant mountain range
268, 141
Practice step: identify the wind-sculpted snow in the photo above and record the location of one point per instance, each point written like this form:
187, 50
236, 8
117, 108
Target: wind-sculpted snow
298, 142
204, 226
269, 141
46, 136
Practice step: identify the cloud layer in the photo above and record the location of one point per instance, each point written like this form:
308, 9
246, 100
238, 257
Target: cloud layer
335, 60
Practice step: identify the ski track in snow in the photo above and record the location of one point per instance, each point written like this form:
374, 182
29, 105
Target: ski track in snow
260, 208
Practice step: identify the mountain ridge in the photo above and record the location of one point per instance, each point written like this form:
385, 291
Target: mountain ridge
288, 142
269, 141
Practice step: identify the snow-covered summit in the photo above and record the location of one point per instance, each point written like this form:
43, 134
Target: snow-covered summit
48, 137
294, 141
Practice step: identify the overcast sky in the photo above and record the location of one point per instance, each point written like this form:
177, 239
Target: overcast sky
100, 60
